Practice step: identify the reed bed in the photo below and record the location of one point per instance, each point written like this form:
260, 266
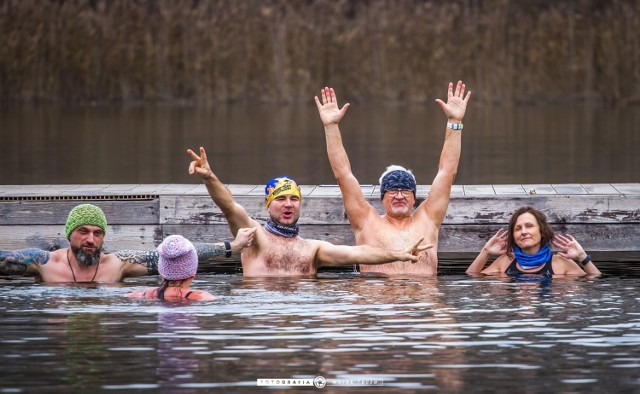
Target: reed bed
399, 51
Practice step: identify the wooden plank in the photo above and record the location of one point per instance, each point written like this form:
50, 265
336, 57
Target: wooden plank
457, 191
535, 189
559, 209
421, 191
241, 190
368, 190
509, 189
568, 189
453, 238
326, 191
627, 188
462, 210
600, 188
149, 189
120, 188
141, 212
175, 188
201, 210
478, 190
306, 190
85, 190
53, 237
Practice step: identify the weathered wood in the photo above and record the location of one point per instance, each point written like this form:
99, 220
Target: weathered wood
462, 210
558, 208
52, 237
604, 217
453, 238
39, 212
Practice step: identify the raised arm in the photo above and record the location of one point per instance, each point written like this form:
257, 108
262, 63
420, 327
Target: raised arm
355, 204
495, 246
140, 262
339, 255
440, 193
235, 214
22, 262
572, 250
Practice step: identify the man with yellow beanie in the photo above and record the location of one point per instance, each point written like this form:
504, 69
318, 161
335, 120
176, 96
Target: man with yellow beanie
278, 250
84, 260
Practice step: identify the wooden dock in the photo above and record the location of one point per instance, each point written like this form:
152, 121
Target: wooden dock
603, 217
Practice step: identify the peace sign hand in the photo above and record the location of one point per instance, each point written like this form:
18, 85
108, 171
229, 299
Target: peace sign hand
200, 165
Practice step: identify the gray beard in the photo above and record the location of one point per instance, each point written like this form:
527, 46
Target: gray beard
87, 259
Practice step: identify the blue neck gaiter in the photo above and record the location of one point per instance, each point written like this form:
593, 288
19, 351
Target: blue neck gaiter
528, 261
278, 229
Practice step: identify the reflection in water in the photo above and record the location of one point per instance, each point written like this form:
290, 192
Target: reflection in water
147, 144
452, 333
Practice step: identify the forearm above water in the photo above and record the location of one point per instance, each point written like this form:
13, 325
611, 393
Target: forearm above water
16, 262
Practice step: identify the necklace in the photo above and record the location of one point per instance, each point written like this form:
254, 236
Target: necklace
74, 275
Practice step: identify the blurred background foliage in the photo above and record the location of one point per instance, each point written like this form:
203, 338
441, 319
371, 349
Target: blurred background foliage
398, 51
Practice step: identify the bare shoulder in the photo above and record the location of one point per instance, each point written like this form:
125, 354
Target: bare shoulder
562, 265
201, 295
499, 265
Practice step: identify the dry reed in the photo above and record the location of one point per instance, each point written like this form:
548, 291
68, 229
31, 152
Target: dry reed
509, 51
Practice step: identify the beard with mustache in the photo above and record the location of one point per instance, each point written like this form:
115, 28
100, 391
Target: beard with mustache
87, 259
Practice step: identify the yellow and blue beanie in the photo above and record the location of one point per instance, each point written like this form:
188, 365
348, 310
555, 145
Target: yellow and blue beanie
281, 186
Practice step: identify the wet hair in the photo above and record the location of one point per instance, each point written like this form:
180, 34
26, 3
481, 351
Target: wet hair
164, 286
546, 232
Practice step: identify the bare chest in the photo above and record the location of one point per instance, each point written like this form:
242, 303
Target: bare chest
387, 236
384, 234
60, 270
281, 256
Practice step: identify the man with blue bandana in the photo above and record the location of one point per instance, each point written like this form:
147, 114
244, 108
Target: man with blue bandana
400, 223
277, 249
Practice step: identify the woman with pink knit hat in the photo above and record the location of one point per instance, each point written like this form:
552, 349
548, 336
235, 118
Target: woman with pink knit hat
177, 265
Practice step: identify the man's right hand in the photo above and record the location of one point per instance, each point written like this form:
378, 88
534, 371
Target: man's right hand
329, 111
200, 165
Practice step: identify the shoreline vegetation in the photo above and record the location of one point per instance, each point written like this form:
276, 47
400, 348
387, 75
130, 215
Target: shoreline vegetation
280, 51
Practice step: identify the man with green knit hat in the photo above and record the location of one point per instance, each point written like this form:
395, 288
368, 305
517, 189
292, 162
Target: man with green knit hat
84, 260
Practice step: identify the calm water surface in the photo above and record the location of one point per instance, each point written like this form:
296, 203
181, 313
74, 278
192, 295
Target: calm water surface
253, 143
453, 333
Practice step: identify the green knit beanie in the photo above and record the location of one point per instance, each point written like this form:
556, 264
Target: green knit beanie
85, 214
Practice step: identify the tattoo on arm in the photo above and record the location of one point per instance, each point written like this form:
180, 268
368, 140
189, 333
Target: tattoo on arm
16, 262
147, 258
207, 251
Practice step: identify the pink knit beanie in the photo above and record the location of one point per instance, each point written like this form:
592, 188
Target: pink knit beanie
178, 258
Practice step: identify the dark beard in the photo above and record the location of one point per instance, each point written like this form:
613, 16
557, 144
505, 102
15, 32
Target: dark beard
87, 258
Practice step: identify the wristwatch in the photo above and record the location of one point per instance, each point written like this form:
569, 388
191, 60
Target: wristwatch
454, 126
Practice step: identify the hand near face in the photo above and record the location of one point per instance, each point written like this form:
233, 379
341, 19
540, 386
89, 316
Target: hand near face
329, 111
497, 245
456, 104
569, 247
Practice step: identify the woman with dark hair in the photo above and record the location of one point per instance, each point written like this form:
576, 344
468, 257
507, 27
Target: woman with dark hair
526, 249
